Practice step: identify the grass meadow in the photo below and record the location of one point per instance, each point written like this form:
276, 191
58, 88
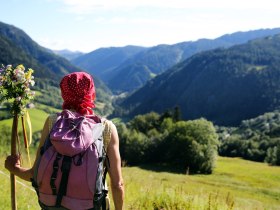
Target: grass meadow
235, 184
37, 118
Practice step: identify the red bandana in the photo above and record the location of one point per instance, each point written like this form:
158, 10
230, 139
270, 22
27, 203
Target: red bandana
78, 92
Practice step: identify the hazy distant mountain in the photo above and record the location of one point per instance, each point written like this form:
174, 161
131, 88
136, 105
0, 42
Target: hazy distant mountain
102, 61
134, 72
222, 85
68, 54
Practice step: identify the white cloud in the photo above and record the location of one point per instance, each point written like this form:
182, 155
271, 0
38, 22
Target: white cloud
151, 22
88, 6
56, 44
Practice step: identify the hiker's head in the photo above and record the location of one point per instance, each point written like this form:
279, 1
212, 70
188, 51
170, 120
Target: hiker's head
78, 92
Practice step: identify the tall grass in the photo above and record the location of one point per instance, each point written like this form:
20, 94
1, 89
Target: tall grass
235, 184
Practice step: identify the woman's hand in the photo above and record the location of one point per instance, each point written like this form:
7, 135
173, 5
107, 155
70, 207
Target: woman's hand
12, 163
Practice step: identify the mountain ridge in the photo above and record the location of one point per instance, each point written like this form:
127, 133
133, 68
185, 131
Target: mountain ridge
68, 54
179, 52
137, 69
222, 85
102, 61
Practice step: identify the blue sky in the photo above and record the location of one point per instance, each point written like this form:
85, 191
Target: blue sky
86, 25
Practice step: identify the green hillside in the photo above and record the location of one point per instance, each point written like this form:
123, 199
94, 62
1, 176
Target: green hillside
55, 66
224, 86
8, 56
37, 117
235, 184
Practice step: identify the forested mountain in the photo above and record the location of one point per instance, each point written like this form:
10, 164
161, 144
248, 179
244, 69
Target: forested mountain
57, 66
11, 53
137, 70
102, 61
222, 85
16, 47
68, 54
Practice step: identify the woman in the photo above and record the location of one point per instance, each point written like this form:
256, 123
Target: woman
78, 93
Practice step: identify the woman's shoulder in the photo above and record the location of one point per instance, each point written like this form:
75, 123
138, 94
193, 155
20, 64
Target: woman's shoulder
109, 128
51, 119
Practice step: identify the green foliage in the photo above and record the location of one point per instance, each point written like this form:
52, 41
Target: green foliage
192, 145
256, 139
151, 138
144, 123
273, 155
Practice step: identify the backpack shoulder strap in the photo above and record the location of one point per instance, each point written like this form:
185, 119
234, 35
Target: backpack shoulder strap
107, 133
52, 120
101, 190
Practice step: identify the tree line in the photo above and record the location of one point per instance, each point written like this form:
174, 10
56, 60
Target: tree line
193, 145
257, 139
189, 146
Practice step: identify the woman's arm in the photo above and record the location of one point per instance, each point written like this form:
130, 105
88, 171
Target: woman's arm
12, 162
114, 170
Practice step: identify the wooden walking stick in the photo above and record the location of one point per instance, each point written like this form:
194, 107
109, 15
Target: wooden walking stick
15, 88
14, 152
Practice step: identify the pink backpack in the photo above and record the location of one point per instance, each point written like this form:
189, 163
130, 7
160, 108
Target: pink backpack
71, 171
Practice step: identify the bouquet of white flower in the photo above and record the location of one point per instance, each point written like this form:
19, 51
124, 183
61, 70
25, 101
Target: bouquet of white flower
15, 87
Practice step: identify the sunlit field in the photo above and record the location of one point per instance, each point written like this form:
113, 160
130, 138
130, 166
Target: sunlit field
235, 184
